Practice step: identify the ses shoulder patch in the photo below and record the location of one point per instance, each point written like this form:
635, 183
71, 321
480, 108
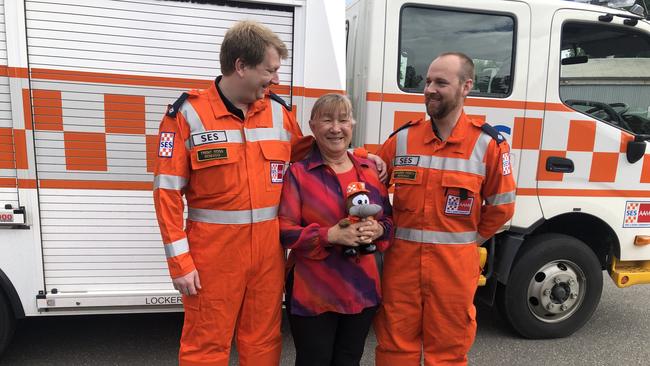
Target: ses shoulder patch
505, 163
166, 144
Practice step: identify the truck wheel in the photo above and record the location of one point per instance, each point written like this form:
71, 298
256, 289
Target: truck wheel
553, 288
7, 322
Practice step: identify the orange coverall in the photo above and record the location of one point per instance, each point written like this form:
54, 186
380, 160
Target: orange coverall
230, 172
431, 271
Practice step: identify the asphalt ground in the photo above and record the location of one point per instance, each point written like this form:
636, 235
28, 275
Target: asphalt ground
618, 334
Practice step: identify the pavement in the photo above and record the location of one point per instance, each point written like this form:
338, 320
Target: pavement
617, 334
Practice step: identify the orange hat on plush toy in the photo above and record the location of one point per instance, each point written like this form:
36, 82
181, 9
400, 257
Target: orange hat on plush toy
354, 188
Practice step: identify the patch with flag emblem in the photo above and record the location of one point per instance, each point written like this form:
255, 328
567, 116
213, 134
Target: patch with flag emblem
277, 171
166, 146
457, 206
505, 163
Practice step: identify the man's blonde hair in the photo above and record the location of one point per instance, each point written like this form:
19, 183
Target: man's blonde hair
248, 40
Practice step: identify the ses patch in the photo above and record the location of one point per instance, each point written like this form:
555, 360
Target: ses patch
278, 169
209, 137
505, 163
212, 154
166, 144
406, 160
458, 206
637, 214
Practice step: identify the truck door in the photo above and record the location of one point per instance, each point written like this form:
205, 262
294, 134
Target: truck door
416, 32
102, 74
13, 156
598, 93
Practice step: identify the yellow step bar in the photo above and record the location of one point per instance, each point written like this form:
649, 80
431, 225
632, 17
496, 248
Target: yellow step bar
628, 273
482, 252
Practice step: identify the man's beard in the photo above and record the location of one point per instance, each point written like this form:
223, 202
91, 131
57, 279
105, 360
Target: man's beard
445, 106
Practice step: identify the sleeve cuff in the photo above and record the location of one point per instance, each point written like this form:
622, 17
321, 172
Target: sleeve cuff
322, 237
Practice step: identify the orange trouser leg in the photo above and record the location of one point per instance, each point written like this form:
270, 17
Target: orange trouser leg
449, 324
398, 324
210, 317
259, 341
208, 329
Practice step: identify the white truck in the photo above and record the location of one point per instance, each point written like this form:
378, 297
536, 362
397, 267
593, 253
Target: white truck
84, 83
83, 87
568, 85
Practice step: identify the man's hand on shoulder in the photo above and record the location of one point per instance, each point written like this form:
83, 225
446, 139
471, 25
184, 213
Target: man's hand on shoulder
381, 167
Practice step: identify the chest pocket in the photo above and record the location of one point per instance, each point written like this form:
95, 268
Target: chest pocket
215, 168
461, 194
276, 161
409, 190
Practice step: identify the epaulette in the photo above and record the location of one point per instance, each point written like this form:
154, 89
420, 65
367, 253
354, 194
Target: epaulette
406, 125
489, 130
279, 99
172, 109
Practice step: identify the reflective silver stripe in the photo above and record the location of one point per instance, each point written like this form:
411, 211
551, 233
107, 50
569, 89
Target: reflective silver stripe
232, 217
265, 134
480, 147
474, 164
400, 144
277, 132
192, 118
278, 114
501, 198
169, 182
452, 164
177, 248
435, 237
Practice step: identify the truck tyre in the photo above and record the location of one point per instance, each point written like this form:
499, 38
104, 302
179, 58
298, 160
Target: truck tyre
7, 323
553, 289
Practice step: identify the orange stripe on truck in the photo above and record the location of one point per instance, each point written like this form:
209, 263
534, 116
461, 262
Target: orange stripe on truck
470, 102
96, 184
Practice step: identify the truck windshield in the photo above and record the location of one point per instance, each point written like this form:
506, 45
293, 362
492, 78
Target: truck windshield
488, 38
605, 73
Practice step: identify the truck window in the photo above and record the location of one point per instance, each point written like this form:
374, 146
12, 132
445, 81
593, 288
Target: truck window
485, 37
605, 73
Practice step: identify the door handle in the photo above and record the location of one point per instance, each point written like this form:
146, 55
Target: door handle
559, 165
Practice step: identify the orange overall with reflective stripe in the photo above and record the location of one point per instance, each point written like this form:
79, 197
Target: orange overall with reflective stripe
230, 172
447, 195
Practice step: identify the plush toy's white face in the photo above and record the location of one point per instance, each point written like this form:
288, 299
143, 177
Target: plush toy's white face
360, 199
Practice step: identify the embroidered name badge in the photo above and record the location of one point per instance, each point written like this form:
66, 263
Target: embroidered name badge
456, 206
505, 163
406, 160
209, 137
166, 145
405, 174
212, 154
277, 171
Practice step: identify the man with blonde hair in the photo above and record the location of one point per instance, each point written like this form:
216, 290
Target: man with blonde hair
226, 149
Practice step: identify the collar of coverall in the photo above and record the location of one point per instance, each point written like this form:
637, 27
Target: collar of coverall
221, 106
457, 134
315, 159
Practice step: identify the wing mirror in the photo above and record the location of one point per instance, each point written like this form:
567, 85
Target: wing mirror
636, 148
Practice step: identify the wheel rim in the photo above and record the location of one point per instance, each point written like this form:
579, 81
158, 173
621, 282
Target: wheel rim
556, 291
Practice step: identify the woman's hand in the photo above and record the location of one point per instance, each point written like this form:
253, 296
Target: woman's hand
371, 230
349, 236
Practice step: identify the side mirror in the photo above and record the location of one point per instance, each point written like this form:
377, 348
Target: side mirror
636, 148
575, 60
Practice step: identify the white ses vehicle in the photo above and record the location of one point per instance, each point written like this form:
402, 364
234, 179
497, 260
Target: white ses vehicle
83, 87
568, 84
